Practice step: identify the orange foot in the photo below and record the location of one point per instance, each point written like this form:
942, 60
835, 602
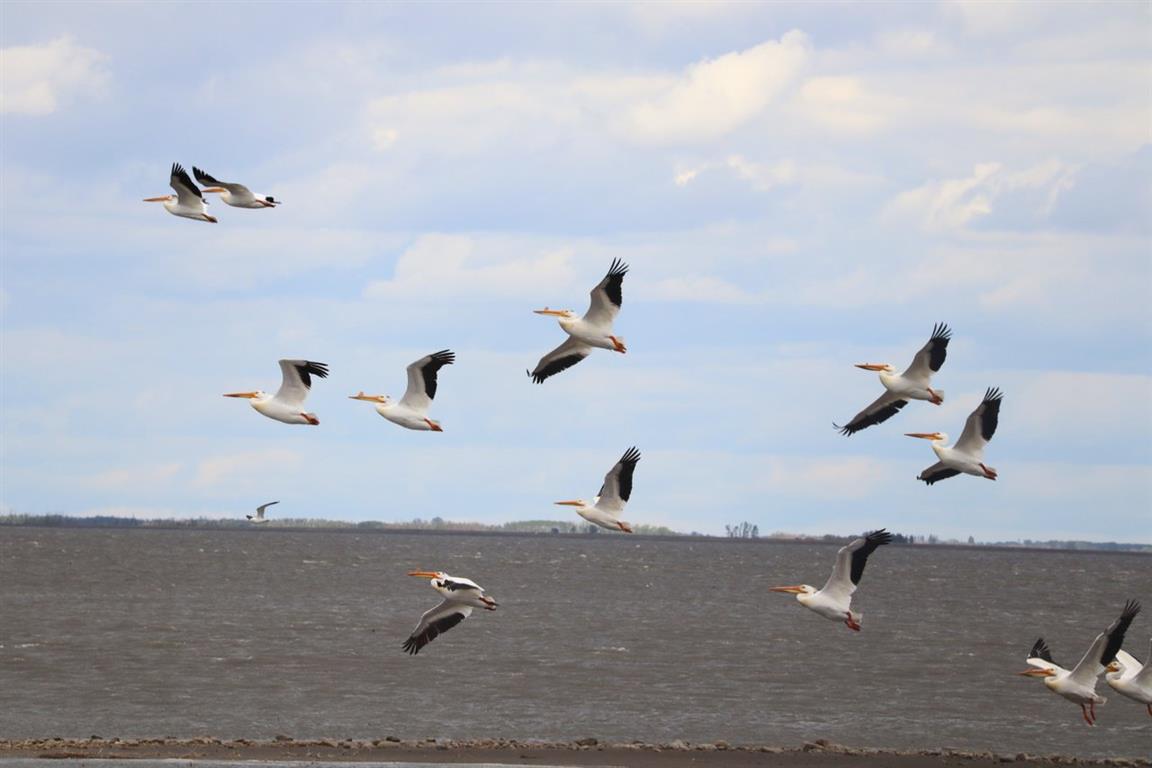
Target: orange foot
433, 425
988, 473
311, 419
936, 399
624, 527
616, 343
852, 624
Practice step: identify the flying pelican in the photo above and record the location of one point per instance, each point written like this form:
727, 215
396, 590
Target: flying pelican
1079, 685
460, 597
259, 516
592, 330
913, 384
608, 505
187, 202
967, 455
1130, 678
287, 405
833, 601
236, 195
410, 411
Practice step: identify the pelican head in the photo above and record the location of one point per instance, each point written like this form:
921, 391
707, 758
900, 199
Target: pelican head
935, 437
566, 314
258, 394
381, 399
880, 367
1114, 667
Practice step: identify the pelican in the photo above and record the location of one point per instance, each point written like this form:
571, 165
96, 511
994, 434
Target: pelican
833, 601
1130, 678
235, 195
967, 455
913, 384
606, 508
460, 597
187, 202
410, 411
592, 330
1079, 685
259, 517
287, 405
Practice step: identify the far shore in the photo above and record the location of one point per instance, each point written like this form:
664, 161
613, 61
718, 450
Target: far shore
582, 752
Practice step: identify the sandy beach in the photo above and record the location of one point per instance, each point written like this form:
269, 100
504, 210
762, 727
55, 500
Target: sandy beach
583, 752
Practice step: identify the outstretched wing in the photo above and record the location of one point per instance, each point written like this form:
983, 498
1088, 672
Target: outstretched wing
850, 562
436, 622
936, 473
298, 379
607, 296
1103, 649
260, 509
210, 181
617, 487
877, 412
981, 424
560, 359
931, 356
187, 193
422, 379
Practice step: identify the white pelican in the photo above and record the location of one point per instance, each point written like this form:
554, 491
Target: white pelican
1079, 685
287, 405
259, 516
187, 202
967, 455
606, 508
460, 597
913, 384
833, 601
592, 330
236, 195
1130, 678
410, 411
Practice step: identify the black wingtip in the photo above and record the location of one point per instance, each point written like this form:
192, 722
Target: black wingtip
631, 455
316, 369
941, 331
1040, 650
879, 537
843, 430
618, 268
444, 357
992, 394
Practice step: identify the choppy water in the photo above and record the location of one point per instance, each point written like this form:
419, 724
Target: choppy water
257, 633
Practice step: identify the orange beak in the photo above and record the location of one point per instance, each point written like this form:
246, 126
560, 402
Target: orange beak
923, 435
572, 503
1036, 672
871, 366
213, 189
423, 574
157, 199
555, 312
243, 394
794, 590
369, 398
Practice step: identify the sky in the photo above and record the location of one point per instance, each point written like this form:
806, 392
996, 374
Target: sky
796, 187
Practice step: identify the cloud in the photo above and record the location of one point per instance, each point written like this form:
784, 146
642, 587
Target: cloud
136, 478
716, 96
233, 469
841, 105
36, 79
760, 176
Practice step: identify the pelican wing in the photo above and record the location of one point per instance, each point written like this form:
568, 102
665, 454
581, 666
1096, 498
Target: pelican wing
931, 356
617, 487
298, 379
850, 562
936, 473
1042, 653
878, 411
560, 359
607, 296
1103, 649
436, 622
422, 379
981, 424
187, 193
210, 181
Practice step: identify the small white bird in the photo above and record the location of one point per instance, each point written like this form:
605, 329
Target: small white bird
1130, 678
411, 412
606, 508
460, 597
915, 383
834, 600
592, 330
235, 195
187, 202
259, 517
1079, 685
287, 405
967, 455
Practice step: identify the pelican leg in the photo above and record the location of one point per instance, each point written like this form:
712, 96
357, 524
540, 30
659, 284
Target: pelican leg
936, 399
1092, 711
1084, 711
988, 473
433, 425
1150, 710
851, 623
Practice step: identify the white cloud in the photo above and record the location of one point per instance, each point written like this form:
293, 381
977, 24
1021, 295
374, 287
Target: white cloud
234, 469
716, 96
136, 478
842, 105
36, 79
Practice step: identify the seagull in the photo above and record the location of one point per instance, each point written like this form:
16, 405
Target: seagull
410, 411
236, 195
259, 517
608, 505
592, 330
287, 405
187, 202
833, 600
913, 384
967, 455
460, 597
1079, 685
1130, 678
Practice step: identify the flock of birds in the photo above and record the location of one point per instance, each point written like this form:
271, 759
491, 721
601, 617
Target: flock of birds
594, 330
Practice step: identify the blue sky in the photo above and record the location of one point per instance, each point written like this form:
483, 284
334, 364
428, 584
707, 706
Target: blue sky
797, 187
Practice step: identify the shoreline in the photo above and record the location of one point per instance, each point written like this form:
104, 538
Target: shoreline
589, 751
